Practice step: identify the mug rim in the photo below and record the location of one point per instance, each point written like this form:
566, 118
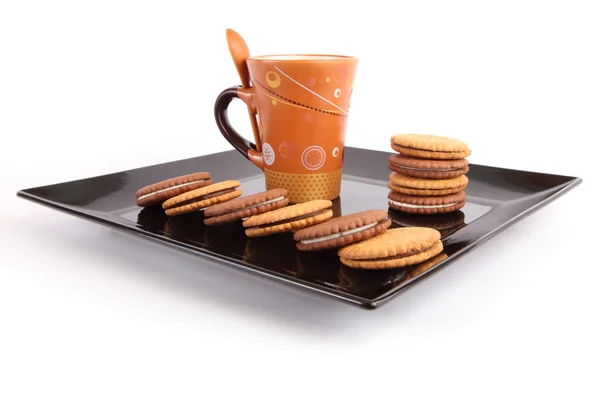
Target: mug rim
306, 57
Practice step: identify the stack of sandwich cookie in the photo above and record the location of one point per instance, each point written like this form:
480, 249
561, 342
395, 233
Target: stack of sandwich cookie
244, 207
289, 218
157, 193
202, 198
394, 248
426, 196
341, 231
428, 175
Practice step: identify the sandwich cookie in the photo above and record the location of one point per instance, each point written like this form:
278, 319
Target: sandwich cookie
426, 204
244, 207
427, 168
289, 218
430, 146
201, 198
426, 187
159, 192
393, 248
445, 224
341, 231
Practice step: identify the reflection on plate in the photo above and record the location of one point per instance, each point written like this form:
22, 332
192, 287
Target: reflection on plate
416, 270
353, 279
446, 224
152, 218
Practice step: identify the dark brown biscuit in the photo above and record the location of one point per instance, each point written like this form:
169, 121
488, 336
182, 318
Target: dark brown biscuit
244, 207
341, 231
427, 168
157, 193
426, 204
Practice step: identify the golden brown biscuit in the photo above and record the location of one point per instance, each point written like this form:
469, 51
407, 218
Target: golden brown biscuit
430, 146
426, 187
202, 198
394, 248
422, 192
289, 218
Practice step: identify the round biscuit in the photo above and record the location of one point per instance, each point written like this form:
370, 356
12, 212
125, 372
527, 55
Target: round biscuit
289, 226
392, 243
368, 233
199, 205
427, 168
157, 193
395, 263
429, 142
288, 212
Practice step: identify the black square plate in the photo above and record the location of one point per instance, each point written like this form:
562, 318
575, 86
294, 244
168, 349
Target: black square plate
496, 198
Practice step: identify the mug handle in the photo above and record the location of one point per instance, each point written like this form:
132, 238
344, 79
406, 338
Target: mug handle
250, 150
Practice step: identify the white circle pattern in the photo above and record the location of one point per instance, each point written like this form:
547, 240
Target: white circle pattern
268, 153
307, 163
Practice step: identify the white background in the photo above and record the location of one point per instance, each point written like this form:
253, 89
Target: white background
88, 88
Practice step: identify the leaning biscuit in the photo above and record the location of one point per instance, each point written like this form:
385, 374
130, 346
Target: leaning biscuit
159, 192
201, 198
244, 207
394, 248
338, 232
289, 218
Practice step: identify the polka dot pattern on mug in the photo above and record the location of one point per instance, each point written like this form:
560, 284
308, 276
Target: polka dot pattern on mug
306, 187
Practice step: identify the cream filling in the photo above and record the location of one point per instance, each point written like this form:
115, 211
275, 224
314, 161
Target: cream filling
428, 169
399, 204
253, 206
169, 188
337, 235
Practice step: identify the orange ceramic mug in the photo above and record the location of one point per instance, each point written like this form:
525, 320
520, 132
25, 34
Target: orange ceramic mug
301, 105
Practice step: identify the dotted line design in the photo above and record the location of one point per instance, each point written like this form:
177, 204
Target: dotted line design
286, 100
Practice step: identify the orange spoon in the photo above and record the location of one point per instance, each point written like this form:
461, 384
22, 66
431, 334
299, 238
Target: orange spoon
239, 53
